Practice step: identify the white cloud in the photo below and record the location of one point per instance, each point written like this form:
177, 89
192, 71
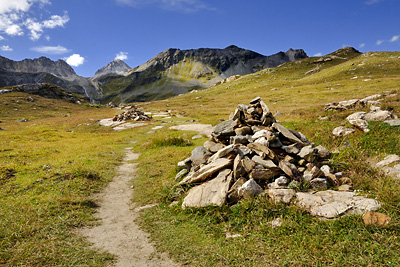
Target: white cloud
379, 42
317, 54
1, 38
186, 6
361, 45
394, 38
6, 48
14, 30
16, 17
54, 50
122, 56
371, 2
75, 60
37, 28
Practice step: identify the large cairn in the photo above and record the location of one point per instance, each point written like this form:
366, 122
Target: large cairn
251, 153
132, 114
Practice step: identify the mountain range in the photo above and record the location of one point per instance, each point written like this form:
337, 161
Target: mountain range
169, 73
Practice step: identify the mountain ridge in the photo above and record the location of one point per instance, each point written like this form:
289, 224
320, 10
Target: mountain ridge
169, 73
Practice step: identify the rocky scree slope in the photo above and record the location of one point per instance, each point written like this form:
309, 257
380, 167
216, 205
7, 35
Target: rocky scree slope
176, 71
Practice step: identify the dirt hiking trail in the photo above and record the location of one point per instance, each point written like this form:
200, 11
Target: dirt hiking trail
118, 233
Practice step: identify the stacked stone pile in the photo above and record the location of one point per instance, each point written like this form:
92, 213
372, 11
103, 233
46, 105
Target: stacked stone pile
132, 114
251, 154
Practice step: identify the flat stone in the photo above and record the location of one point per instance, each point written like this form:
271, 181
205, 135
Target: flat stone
211, 193
289, 168
379, 115
243, 130
223, 131
217, 147
262, 174
249, 189
110, 122
293, 149
345, 188
255, 100
128, 125
268, 164
206, 171
388, 160
342, 131
262, 150
286, 133
281, 195
221, 153
331, 204
376, 218
393, 122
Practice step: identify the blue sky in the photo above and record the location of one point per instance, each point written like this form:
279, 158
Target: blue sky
88, 34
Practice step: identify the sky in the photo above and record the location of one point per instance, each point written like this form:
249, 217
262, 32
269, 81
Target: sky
89, 34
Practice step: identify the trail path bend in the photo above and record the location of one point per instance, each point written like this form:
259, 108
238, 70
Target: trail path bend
118, 233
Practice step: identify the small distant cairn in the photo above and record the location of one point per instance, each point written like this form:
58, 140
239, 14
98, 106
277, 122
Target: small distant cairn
132, 114
251, 153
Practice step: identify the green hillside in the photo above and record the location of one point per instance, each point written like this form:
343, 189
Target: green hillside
53, 163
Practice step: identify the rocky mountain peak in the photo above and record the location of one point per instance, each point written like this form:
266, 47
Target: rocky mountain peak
115, 67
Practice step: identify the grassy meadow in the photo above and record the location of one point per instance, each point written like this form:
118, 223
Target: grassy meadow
54, 163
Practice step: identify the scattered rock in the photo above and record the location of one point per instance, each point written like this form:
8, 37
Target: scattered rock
388, 160
376, 218
393, 122
281, 195
331, 204
342, 131
357, 119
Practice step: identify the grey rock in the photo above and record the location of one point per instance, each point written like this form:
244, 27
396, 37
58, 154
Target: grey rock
379, 115
388, 160
342, 131
331, 204
345, 188
233, 193
238, 168
308, 153
245, 130
286, 133
221, 153
323, 152
249, 189
200, 155
213, 192
262, 174
206, 171
326, 169
209, 144
217, 147
239, 139
223, 131
281, 195
357, 119
255, 100
262, 150
293, 149
393, 122
268, 164
289, 168
243, 150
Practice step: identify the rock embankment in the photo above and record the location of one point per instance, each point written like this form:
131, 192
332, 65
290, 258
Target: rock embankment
252, 154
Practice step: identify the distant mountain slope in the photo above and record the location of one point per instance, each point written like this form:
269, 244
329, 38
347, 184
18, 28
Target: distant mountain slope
115, 67
169, 73
176, 71
44, 70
